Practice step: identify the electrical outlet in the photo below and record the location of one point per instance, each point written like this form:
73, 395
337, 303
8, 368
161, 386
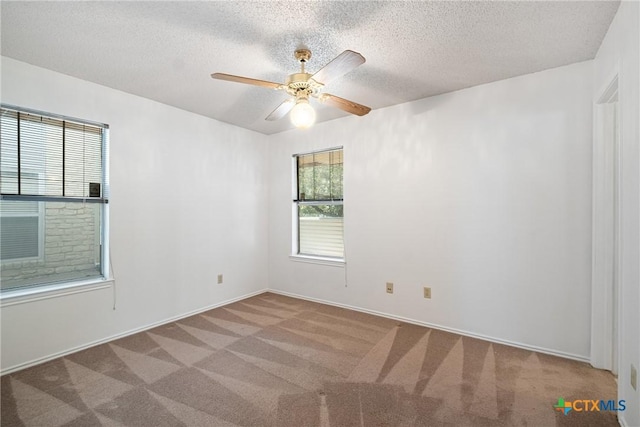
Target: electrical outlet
219, 278
389, 287
427, 292
634, 377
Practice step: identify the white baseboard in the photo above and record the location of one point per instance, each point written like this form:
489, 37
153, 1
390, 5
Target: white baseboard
125, 334
440, 327
293, 295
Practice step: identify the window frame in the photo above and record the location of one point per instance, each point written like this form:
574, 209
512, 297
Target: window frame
295, 241
103, 200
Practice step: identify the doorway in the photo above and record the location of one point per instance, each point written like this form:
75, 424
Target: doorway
606, 231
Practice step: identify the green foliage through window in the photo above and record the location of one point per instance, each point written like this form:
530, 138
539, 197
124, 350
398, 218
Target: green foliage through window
320, 211
320, 176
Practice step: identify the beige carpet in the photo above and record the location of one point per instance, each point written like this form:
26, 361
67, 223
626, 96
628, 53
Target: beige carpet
271, 360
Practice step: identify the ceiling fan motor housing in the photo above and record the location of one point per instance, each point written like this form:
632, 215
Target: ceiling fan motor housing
302, 85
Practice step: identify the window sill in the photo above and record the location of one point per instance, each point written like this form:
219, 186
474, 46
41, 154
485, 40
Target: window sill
332, 262
21, 296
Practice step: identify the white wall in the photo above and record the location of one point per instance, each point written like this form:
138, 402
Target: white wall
619, 54
187, 202
483, 194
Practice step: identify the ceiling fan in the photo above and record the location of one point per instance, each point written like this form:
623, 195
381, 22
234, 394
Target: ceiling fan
300, 86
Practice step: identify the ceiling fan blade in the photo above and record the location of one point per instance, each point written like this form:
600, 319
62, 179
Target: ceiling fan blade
344, 104
281, 110
339, 66
246, 80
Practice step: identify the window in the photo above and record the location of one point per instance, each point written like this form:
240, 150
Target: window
318, 204
53, 202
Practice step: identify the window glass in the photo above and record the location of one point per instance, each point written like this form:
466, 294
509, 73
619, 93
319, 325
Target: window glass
319, 213
320, 176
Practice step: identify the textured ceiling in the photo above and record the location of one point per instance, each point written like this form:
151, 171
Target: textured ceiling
166, 51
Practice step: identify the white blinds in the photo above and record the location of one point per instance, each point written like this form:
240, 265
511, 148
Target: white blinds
43, 156
322, 236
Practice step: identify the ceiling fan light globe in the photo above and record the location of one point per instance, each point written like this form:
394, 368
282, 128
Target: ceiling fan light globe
303, 115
